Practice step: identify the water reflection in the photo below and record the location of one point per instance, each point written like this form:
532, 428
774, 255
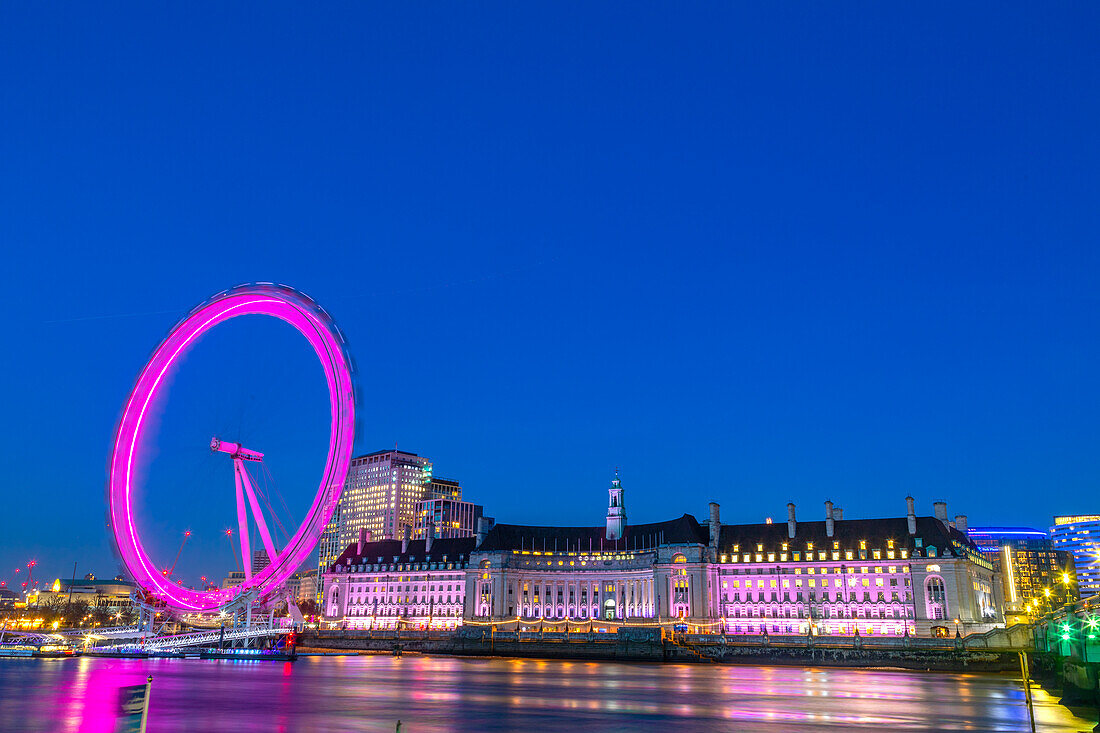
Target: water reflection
454, 694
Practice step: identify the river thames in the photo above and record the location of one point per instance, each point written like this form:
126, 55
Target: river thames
370, 693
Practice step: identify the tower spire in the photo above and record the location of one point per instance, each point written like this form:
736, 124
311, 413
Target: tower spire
616, 512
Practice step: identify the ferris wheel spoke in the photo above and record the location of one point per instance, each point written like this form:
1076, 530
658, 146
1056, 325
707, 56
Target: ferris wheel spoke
265, 535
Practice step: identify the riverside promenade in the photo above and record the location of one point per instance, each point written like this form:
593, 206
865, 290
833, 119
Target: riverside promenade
996, 651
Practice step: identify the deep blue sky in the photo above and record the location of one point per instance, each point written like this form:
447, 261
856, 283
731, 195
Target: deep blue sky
751, 253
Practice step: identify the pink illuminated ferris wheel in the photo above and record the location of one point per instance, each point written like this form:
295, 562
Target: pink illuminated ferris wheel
317, 327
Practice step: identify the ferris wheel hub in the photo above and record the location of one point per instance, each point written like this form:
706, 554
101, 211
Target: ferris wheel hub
235, 450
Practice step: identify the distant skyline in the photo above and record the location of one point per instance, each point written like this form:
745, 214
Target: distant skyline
746, 254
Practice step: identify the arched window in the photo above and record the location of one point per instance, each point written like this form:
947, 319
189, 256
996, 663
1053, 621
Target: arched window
935, 597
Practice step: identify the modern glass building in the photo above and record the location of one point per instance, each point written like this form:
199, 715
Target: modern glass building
1080, 534
1035, 576
447, 519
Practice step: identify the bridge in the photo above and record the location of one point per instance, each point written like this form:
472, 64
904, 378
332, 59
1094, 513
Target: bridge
242, 638
107, 632
1067, 652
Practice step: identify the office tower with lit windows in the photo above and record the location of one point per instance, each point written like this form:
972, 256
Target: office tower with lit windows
437, 487
447, 519
380, 495
1035, 576
1080, 535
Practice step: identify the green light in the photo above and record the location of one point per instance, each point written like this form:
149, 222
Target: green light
1065, 637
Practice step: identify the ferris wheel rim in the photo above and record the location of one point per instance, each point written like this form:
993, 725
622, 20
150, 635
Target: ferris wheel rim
312, 322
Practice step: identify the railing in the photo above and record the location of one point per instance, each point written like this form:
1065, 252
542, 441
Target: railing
108, 632
1018, 637
1072, 631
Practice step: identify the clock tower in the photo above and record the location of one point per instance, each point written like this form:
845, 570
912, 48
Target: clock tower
616, 512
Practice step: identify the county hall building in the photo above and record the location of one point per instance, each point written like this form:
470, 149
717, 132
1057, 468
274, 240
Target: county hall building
833, 576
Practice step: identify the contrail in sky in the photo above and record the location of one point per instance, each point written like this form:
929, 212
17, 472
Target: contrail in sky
453, 283
115, 315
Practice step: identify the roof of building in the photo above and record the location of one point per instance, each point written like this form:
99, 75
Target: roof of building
390, 551
449, 501
82, 583
385, 451
683, 530
1007, 532
848, 532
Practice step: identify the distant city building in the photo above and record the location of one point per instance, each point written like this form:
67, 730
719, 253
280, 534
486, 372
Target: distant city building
8, 599
437, 487
447, 519
302, 585
112, 594
307, 585
1080, 535
1035, 577
293, 584
260, 560
235, 578
909, 574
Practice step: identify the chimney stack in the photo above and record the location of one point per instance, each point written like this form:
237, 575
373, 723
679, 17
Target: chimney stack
910, 516
431, 536
939, 509
362, 541
790, 520
405, 532
838, 513
715, 525
482, 530
829, 519
960, 523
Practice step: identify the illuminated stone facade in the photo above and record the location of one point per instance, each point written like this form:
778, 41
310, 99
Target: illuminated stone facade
916, 575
